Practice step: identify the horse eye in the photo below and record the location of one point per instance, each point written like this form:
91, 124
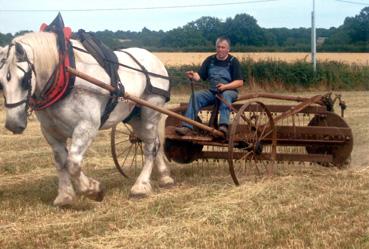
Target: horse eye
8, 76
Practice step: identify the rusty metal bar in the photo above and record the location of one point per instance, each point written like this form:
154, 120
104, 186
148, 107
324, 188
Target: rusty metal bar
304, 157
317, 109
142, 102
295, 109
298, 131
267, 156
306, 142
300, 135
272, 96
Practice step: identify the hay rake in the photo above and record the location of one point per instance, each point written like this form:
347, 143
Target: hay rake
263, 134
260, 134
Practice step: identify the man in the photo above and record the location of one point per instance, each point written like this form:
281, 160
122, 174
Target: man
223, 72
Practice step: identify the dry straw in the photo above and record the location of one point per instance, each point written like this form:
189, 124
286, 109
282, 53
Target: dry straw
301, 206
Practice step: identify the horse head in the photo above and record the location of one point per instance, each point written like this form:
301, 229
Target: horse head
17, 80
25, 65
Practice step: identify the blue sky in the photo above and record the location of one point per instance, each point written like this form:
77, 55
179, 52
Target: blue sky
131, 15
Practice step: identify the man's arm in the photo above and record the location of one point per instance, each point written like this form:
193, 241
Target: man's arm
202, 73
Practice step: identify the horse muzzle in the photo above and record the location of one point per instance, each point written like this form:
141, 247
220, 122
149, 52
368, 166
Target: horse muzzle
16, 129
16, 123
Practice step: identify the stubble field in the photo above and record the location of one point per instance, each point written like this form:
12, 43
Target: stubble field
300, 206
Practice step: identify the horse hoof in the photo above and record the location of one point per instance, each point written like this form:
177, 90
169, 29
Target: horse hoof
166, 182
140, 191
64, 200
97, 195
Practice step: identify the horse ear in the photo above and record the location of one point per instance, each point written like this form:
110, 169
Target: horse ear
20, 52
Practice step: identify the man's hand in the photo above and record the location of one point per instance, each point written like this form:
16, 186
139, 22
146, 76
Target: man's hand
229, 86
193, 75
189, 74
221, 87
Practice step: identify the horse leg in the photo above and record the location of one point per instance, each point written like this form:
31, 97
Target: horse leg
147, 130
165, 180
66, 194
81, 140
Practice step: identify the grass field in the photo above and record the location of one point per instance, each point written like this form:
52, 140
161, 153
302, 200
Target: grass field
301, 206
175, 59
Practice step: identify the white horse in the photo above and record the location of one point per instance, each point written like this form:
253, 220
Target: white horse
77, 116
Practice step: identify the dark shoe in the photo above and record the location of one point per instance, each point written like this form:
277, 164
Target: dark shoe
182, 131
224, 129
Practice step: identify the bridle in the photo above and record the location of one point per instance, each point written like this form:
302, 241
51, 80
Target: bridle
26, 83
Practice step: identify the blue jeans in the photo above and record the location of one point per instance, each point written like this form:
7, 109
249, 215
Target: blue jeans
206, 97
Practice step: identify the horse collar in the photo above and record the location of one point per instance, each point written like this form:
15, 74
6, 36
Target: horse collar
59, 84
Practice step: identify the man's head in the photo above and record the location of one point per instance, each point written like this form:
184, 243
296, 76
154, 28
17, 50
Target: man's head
223, 45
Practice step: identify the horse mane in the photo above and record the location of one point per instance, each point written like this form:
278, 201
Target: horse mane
45, 52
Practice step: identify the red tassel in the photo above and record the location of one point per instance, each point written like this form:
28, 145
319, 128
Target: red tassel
43, 27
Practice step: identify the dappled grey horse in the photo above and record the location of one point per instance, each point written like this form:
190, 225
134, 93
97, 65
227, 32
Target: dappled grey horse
26, 65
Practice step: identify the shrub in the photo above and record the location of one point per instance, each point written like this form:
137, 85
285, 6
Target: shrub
272, 74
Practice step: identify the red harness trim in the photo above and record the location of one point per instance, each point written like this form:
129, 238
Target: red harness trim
60, 77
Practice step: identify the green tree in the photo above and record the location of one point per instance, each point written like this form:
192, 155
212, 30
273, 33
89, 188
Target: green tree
355, 30
5, 39
108, 38
244, 30
358, 26
150, 38
209, 27
186, 37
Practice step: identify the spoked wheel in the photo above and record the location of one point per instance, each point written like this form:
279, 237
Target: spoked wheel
126, 149
252, 141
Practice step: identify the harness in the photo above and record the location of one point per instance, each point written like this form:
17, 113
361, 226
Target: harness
109, 61
149, 87
103, 55
60, 82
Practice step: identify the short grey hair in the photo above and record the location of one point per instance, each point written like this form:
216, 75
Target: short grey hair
223, 38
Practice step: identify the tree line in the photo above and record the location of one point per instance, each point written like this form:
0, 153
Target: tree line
245, 34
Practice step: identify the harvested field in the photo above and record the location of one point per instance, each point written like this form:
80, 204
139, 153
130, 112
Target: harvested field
301, 206
177, 59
